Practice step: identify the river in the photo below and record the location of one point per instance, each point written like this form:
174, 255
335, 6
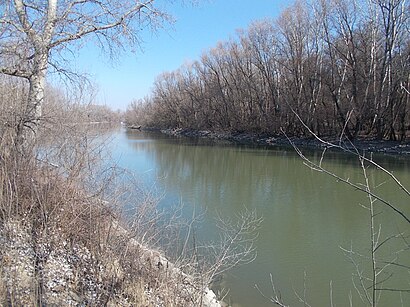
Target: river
308, 217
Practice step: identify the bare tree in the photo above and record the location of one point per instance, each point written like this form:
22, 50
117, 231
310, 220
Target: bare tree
340, 65
35, 35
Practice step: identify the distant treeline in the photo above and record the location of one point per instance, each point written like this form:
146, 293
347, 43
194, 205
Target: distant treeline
59, 108
338, 65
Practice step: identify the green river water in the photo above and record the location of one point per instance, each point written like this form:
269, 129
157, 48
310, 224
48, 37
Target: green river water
307, 216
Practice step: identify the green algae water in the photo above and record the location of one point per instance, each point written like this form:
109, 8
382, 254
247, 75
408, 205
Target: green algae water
309, 217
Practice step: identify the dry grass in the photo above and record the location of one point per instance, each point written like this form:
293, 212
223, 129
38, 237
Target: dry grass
55, 249
64, 245
64, 238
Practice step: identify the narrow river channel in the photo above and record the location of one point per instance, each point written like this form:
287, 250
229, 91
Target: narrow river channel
308, 216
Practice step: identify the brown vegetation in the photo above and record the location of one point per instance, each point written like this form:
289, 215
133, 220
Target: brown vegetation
61, 242
61, 224
341, 66
65, 237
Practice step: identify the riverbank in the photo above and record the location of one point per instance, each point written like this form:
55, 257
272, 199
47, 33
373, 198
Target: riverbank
51, 270
363, 145
65, 242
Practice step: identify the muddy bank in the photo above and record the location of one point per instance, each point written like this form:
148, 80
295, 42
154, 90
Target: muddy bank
363, 145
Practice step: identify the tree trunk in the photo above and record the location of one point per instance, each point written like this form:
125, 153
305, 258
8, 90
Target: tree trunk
27, 129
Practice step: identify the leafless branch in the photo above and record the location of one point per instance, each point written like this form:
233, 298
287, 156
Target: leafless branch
318, 167
276, 297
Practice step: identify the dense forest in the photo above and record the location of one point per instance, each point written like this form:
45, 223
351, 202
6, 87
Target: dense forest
332, 66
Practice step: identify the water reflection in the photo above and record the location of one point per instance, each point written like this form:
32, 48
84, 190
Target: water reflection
308, 216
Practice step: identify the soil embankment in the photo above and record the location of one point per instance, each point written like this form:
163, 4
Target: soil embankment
363, 145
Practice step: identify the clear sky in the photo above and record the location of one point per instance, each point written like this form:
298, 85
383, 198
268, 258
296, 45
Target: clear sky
197, 28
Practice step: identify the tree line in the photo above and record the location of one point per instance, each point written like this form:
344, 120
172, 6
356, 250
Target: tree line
59, 108
335, 66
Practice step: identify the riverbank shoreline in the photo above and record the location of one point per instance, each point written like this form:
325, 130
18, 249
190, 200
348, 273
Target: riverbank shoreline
266, 140
64, 270
67, 243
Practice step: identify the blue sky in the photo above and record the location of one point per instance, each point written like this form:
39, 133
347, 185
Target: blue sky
197, 28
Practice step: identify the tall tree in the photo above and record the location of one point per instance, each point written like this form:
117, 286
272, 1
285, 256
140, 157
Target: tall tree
33, 34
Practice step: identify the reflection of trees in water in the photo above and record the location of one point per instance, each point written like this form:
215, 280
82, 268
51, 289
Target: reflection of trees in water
236, 176
307, 216
274, 181
215, 173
